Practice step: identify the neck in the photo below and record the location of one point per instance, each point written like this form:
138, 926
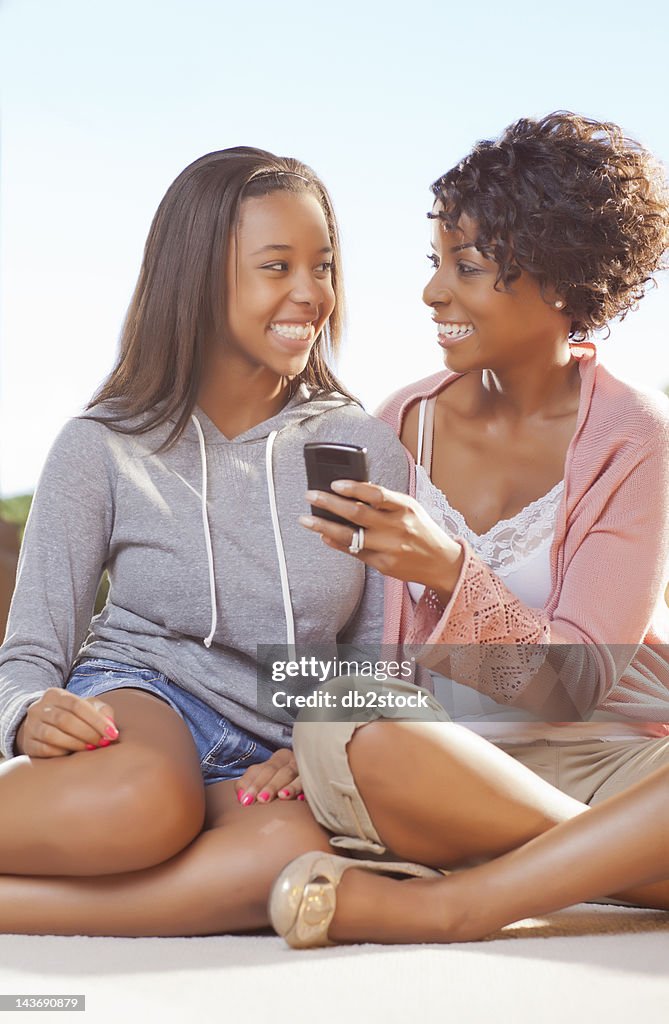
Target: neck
237, 396
545, 388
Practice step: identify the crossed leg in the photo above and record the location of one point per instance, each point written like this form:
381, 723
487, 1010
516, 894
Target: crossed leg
220, 883
119, 808
440, 795
620, 843
110, 842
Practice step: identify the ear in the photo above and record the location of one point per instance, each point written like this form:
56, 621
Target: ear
554, 299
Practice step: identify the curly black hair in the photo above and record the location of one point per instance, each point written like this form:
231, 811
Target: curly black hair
571, 201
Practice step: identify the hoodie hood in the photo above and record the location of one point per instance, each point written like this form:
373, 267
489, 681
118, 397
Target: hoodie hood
303, 405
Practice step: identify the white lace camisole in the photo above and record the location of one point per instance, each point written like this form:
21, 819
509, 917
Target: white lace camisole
518, 551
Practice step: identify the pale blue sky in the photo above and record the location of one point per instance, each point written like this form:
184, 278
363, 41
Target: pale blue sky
103, 104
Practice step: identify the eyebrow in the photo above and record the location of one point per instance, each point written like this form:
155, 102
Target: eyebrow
464, 245
283, 248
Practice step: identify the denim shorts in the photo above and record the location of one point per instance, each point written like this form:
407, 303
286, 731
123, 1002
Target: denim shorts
225, 750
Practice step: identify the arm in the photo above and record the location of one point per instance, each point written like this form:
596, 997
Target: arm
63, 553
485, 637
560, 663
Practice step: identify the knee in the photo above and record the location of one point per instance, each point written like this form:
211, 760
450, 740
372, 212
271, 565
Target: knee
140, 817
370, 752
161, 809
318, 746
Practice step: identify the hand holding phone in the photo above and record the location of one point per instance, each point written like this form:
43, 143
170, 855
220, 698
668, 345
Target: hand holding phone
327, 462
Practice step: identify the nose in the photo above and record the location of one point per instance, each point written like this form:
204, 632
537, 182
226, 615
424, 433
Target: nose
306, 289
436, 292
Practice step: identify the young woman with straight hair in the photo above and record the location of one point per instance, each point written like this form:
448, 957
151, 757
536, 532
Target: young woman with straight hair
135, 800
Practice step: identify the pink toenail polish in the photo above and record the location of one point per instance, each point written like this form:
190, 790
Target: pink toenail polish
284, 793
247, 800
301, 796
264, 796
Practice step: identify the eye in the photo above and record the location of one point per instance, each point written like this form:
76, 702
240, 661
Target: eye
279, 265
325, 268
466, 269
434, 260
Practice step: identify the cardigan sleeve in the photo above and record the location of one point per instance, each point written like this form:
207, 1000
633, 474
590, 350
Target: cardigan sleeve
562, 663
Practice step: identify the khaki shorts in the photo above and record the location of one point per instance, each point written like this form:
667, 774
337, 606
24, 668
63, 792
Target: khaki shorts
320, 750
589, 771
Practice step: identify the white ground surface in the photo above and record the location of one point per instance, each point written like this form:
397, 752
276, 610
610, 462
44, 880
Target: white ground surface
613, 978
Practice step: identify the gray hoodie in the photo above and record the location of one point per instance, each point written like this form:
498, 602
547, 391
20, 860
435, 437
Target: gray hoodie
201, 567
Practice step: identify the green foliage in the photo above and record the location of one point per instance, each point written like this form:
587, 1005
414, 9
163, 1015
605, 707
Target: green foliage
15, 510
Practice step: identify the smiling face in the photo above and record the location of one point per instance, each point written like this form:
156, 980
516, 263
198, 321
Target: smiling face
479, 326
279, 292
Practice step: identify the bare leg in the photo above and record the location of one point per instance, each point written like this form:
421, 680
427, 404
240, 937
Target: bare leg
220, 883
440, 795
120, 808
620, 843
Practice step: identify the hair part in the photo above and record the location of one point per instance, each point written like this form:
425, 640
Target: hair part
178, 304
571, 201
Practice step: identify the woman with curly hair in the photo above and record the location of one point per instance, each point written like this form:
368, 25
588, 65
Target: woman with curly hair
537, 563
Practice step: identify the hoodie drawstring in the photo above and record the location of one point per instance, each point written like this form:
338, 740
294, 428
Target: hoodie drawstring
207, 535
283, 569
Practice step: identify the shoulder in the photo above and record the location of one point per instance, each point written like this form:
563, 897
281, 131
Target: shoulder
356, 425
350, 424
86, 444
628, 412
393, 409
80, 435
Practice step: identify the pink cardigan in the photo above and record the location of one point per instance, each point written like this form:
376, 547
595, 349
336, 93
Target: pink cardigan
609, 568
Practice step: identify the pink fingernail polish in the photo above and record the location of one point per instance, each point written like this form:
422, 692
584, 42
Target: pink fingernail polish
104, 742
247, 800
264, 796
284, 793
91, 746
240, 795
112, 732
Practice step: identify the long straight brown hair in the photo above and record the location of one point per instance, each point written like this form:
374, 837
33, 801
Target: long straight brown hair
179, 301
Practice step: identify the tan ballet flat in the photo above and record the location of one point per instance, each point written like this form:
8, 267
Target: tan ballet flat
304, 897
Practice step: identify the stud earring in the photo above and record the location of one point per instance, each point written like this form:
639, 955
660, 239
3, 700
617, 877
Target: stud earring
559, 304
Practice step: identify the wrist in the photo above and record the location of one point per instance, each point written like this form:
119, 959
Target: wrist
447, 573
18, 739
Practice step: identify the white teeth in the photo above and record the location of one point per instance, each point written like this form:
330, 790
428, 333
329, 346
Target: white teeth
455, 330
298, 331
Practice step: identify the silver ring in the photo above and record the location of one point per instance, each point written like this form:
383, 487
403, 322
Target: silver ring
357, 541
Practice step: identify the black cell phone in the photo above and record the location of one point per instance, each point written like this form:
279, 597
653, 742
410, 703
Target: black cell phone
328, 462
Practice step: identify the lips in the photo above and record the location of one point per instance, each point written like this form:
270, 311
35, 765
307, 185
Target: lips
293, 337
293, 330
451, 332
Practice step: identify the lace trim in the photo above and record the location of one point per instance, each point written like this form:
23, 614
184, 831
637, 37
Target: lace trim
507, 544
494, 643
